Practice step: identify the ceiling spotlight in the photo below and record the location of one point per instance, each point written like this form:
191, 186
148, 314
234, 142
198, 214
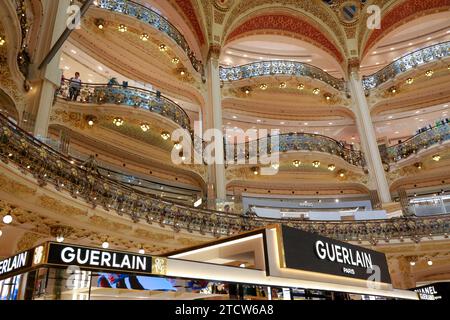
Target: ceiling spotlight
418, 165
301, 86
100, 23
409, 80
90, 123
316, 91
122, 28
246, 90
177, 146
7, 219
118, 121
341, 173
255, 170
412, 263
60, 238
2, 41
263, 86
165, 135
162, 47
145, 127
392, 89
436, 157
316, 164
296, 163
175, 60
141, 251
429, 73
182, 72
430, 262
105, 244
336, 200
145, 37
327, 96
331, 167
91, 120
283, 85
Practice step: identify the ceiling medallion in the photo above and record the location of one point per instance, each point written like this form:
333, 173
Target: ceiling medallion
349, 12
223, 5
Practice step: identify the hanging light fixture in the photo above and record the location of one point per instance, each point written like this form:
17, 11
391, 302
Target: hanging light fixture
145, 127
145, 37
301, 86
122, 28
436, 157
283, 85
177, 146
165, 135
118, 121
341, 173
393, 89
316, 91
418, 165
255, 170
409, 81
100, 23
263, 86
7, 219
2, 41
316, 164
162, 47
331, 167
429, 73
327, 96
175, 60
105, 244
60, 238
429, 262
296, 163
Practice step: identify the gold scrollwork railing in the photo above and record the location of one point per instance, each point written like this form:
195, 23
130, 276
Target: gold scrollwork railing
48, 166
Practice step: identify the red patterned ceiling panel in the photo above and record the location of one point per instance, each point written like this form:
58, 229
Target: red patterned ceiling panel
287, 24
189, 11
405, 10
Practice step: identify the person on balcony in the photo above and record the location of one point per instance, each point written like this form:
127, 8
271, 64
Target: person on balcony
74, 87
113, 82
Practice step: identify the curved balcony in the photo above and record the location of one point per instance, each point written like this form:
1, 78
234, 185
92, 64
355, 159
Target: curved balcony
296, 142
129, 96
406, 63
282, 68
154, 20
49, 167
420, 141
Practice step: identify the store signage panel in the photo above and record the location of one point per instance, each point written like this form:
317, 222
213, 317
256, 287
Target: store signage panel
311, 252
434, 291
15, 264
93, 258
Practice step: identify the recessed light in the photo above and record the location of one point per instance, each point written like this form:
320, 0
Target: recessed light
234, 117
377, 63
374, 52
330, 123
309, 60
306, 123
282, 123
73, 51
245, 56
396, 132
390, 117
418, 111
258, 120
100, 68
429, 38
392, 49
410, 44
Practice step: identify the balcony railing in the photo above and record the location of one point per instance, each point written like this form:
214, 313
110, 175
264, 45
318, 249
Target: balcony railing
418, 142
296, 142
279, 67
49, 167
153, 19
407, 62
129, 96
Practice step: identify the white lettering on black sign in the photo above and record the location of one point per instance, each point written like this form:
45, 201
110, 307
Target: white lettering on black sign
341, 254
13, 263
97, 258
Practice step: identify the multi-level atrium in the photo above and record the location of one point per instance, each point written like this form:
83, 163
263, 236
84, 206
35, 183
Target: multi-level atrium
197, 132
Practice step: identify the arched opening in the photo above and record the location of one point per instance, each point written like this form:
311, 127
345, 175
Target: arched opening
8, 107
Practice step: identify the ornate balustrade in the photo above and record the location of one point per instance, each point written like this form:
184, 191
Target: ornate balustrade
129, 96
278, 67
295, 142
418, 142
81, 180
154, 20
405, 63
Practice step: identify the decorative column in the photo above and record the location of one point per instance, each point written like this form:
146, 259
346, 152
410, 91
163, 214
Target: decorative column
212, 117
50, 76
367, 135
